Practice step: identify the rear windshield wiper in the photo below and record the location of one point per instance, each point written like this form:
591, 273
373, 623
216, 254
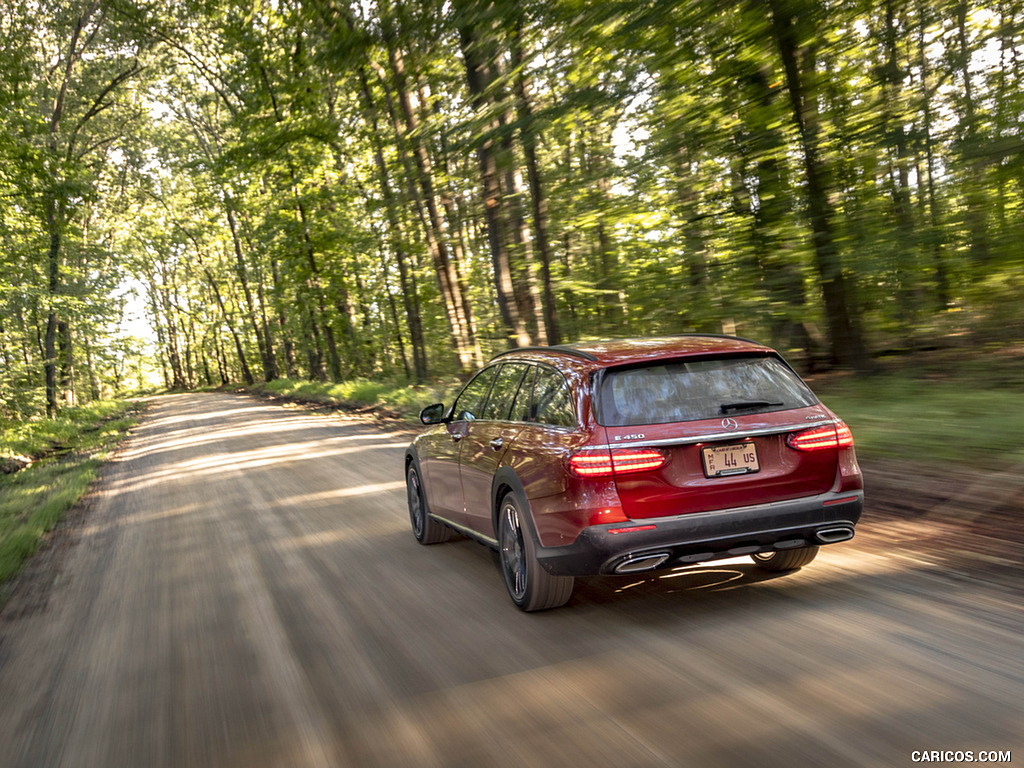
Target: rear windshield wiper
726, 407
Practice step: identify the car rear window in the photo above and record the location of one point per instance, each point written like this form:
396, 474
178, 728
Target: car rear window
692, 390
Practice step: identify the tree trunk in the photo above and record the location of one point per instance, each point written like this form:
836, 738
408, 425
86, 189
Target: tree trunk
90, 366
271, 367
942, 295
597, 153
67, 364
478, 80
242, 271
230, 323
899, 178
50, 342
291, 369
538, 199
847, 345
317, 287
314, 282
412, 315
459, 320
699, 314
161, 337
781, 279
975, 214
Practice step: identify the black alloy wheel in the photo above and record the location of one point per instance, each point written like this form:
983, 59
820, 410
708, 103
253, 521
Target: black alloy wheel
529, 585
426, 529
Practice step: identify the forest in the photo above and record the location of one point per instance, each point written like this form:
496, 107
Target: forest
389, 190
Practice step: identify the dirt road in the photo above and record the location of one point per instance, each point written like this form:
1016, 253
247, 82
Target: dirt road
244, 591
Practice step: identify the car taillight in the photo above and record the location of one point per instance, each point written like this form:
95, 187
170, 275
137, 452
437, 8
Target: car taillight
616, 461
844, 436
836, 435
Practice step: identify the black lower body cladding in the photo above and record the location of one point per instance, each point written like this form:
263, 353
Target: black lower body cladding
698, 537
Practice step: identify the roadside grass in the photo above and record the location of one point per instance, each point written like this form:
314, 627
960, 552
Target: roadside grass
402, 401
969, 414
66, 454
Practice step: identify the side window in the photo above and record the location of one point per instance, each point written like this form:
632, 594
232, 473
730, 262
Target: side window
471, 402
521, 410
552, 402
506, 385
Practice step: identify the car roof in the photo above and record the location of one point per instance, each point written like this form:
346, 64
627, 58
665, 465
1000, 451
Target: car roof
637, 350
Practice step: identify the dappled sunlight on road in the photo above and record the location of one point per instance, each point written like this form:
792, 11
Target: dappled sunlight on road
353, 531
246, 439
272, 455
195, 414
794, 652
625, 706
141, 518
344, 493
276, 455
197, 436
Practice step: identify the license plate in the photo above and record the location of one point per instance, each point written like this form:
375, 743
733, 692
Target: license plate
723, 460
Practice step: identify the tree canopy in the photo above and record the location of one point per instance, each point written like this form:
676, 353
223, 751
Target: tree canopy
329, 190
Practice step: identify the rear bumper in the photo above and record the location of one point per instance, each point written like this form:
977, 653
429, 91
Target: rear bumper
701, 536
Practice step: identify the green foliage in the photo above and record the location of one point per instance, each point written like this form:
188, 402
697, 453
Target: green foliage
77, 429
71, 450
69, 118
31, 503
968, 412
308, 190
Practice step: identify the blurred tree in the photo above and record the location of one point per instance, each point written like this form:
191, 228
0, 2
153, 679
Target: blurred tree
332, 189
794, 28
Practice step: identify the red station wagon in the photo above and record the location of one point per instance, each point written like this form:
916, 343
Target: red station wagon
626, 456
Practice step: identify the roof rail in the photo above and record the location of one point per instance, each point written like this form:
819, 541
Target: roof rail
720, 336
564, 349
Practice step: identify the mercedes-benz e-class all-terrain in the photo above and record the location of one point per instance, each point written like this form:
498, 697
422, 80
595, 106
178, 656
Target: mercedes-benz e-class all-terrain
628, 456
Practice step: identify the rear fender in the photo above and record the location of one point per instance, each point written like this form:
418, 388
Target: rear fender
505, 480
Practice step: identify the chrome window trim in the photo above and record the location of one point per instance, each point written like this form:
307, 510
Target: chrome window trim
540, 424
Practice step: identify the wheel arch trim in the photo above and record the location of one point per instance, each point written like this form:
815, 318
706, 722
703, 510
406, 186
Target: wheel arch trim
504, 478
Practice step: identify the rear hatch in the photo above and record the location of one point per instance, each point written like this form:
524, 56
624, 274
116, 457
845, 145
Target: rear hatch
722, 427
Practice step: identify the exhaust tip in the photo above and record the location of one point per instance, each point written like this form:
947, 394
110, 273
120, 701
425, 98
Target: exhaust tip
642, 563
834, 535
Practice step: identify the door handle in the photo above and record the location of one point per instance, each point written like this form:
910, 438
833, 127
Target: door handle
496, 443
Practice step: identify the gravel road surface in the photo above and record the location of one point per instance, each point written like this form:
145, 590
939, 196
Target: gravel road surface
243, 590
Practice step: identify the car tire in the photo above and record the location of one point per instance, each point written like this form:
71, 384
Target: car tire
426, 529
789, 560
529, 585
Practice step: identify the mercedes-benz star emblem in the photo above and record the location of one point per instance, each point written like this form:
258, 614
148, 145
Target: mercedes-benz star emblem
730, 424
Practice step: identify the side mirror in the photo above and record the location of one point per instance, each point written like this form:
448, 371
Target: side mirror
432, 414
